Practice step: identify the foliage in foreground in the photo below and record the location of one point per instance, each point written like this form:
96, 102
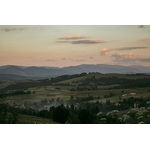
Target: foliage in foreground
133, 116
7, 117
87, 115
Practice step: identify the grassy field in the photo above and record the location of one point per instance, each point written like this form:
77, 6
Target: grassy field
5, 83
26, 119
51, 92
63, 91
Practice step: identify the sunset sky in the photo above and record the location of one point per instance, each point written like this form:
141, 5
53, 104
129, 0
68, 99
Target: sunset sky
74, 45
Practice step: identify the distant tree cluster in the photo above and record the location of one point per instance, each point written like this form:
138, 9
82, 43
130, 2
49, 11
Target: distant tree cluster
86, 99
120, 82
84, 88
7, 114
109, 95
3, 95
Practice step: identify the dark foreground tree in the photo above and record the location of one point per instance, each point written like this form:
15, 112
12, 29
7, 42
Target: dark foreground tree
85, 116
3, 113
60, 114
7, 115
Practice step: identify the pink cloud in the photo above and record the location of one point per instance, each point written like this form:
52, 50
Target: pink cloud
90, 41
72, 37
123, 56
106, 49
131, 48
129, 58
148, 39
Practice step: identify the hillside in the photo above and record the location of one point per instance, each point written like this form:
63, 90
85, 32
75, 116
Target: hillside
12, 77
76, 80
38, 101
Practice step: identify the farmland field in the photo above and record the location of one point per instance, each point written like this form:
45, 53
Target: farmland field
63, 91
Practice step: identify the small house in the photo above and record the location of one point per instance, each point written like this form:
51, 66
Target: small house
136, 104
132, 94
117, 104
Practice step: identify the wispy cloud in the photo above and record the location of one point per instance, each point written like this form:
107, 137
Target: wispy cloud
147, 39
7, 29
78, 60
141, 26
124, 58
63, 58
21, 28
51, 60
144, 59
129, 58
90, 41
131, 48
104, 50
78, 39
70, 59
71, 37
63, 41
120, 56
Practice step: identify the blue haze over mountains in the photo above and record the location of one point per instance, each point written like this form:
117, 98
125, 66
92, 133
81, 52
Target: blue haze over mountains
10, 72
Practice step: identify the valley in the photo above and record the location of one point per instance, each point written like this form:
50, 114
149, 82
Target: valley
93, 92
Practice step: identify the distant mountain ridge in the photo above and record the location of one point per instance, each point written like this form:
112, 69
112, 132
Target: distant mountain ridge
32, 71
48, 72
102, 68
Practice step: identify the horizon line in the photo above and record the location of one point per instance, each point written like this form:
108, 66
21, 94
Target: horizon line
73, 65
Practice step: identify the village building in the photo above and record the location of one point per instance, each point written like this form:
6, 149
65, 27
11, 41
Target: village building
124, 95
132, 94
136, 104
117, 104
